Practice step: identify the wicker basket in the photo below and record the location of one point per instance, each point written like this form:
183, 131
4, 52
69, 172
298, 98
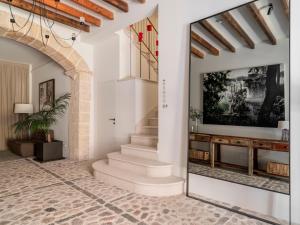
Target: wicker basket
279, 169
199, 154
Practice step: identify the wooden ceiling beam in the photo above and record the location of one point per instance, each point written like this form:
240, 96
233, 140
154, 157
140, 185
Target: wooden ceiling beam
71, 11
262, 23
197, 52
237, 27
204, 43
95, 8
120, 4
286, 7
49, 14
210, 28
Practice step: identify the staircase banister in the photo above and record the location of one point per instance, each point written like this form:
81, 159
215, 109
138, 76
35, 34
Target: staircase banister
152, 25
132, 27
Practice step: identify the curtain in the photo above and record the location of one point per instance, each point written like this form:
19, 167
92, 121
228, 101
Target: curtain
14, 88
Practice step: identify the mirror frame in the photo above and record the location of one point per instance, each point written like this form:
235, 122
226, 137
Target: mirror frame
188, 126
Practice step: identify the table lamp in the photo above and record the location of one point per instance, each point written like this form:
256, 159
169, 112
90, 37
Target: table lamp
23, 108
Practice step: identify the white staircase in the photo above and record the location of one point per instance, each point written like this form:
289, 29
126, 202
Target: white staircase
136, 167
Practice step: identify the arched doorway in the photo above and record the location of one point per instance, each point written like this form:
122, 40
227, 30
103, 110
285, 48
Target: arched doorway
75, 67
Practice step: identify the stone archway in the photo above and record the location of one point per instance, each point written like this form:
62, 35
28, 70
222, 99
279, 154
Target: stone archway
75, 67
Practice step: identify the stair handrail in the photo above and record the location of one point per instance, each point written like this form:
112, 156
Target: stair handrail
156, 59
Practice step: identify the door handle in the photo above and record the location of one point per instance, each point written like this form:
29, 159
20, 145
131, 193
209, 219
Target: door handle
113, 119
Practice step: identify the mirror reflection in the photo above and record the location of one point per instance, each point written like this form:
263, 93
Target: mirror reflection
239, 96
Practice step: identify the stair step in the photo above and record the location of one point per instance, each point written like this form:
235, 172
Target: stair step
150, 127
151, 186
153, 121
141, 166
147, 152
149, 131
144, 139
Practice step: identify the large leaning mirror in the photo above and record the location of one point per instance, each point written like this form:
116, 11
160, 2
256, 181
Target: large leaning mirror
239, 108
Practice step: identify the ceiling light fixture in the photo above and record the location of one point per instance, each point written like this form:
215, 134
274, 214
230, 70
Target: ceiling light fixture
46, 25
271, 8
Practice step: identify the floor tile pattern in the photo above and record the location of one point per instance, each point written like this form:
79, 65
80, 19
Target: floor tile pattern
65, 193
256, 181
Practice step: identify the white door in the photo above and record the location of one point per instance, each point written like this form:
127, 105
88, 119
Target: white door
105, 118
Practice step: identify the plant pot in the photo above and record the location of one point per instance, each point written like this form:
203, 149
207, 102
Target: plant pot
48, 151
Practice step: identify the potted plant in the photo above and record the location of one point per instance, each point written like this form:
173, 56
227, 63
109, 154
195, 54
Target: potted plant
40, 123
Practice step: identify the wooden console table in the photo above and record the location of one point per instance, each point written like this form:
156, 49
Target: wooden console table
251, 144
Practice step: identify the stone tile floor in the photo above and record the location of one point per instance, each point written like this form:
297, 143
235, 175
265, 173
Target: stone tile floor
256, 181
64, 192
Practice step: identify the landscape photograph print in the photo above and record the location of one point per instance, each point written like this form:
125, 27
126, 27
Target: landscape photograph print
244, 97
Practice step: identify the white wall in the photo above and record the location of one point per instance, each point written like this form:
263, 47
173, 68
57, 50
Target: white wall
42, 68
126, 100
106, 56
295, 111
52, 70
174, 55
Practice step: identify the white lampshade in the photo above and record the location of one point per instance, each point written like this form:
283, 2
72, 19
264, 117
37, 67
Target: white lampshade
283, 125
23, 108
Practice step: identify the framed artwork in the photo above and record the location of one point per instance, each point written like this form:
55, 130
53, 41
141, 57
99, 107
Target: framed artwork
251, 96
46, 94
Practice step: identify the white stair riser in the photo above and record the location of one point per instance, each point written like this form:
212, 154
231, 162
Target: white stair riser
145, 141
158, 171
139, 153
150, 190
153, 122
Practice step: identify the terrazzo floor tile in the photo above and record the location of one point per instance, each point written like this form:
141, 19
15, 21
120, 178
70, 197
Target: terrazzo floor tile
102, 191
44, 206
68, 195
177, 210
100, 216
20, 176
67, 169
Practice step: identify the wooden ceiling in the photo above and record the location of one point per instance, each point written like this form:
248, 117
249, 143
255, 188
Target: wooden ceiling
70, 14
234, 26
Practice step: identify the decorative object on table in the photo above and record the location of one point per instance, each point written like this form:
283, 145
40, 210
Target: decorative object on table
46, 94
244, 97
40, 122
196, 116
279, 169
284, 126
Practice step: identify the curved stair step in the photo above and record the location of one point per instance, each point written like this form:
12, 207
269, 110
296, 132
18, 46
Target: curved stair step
139, 151
141, 166
166, 186
144, 139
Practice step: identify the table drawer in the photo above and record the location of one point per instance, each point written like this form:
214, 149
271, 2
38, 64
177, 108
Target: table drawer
241, 142
220, 140
262, 144
199, 137
284, 147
